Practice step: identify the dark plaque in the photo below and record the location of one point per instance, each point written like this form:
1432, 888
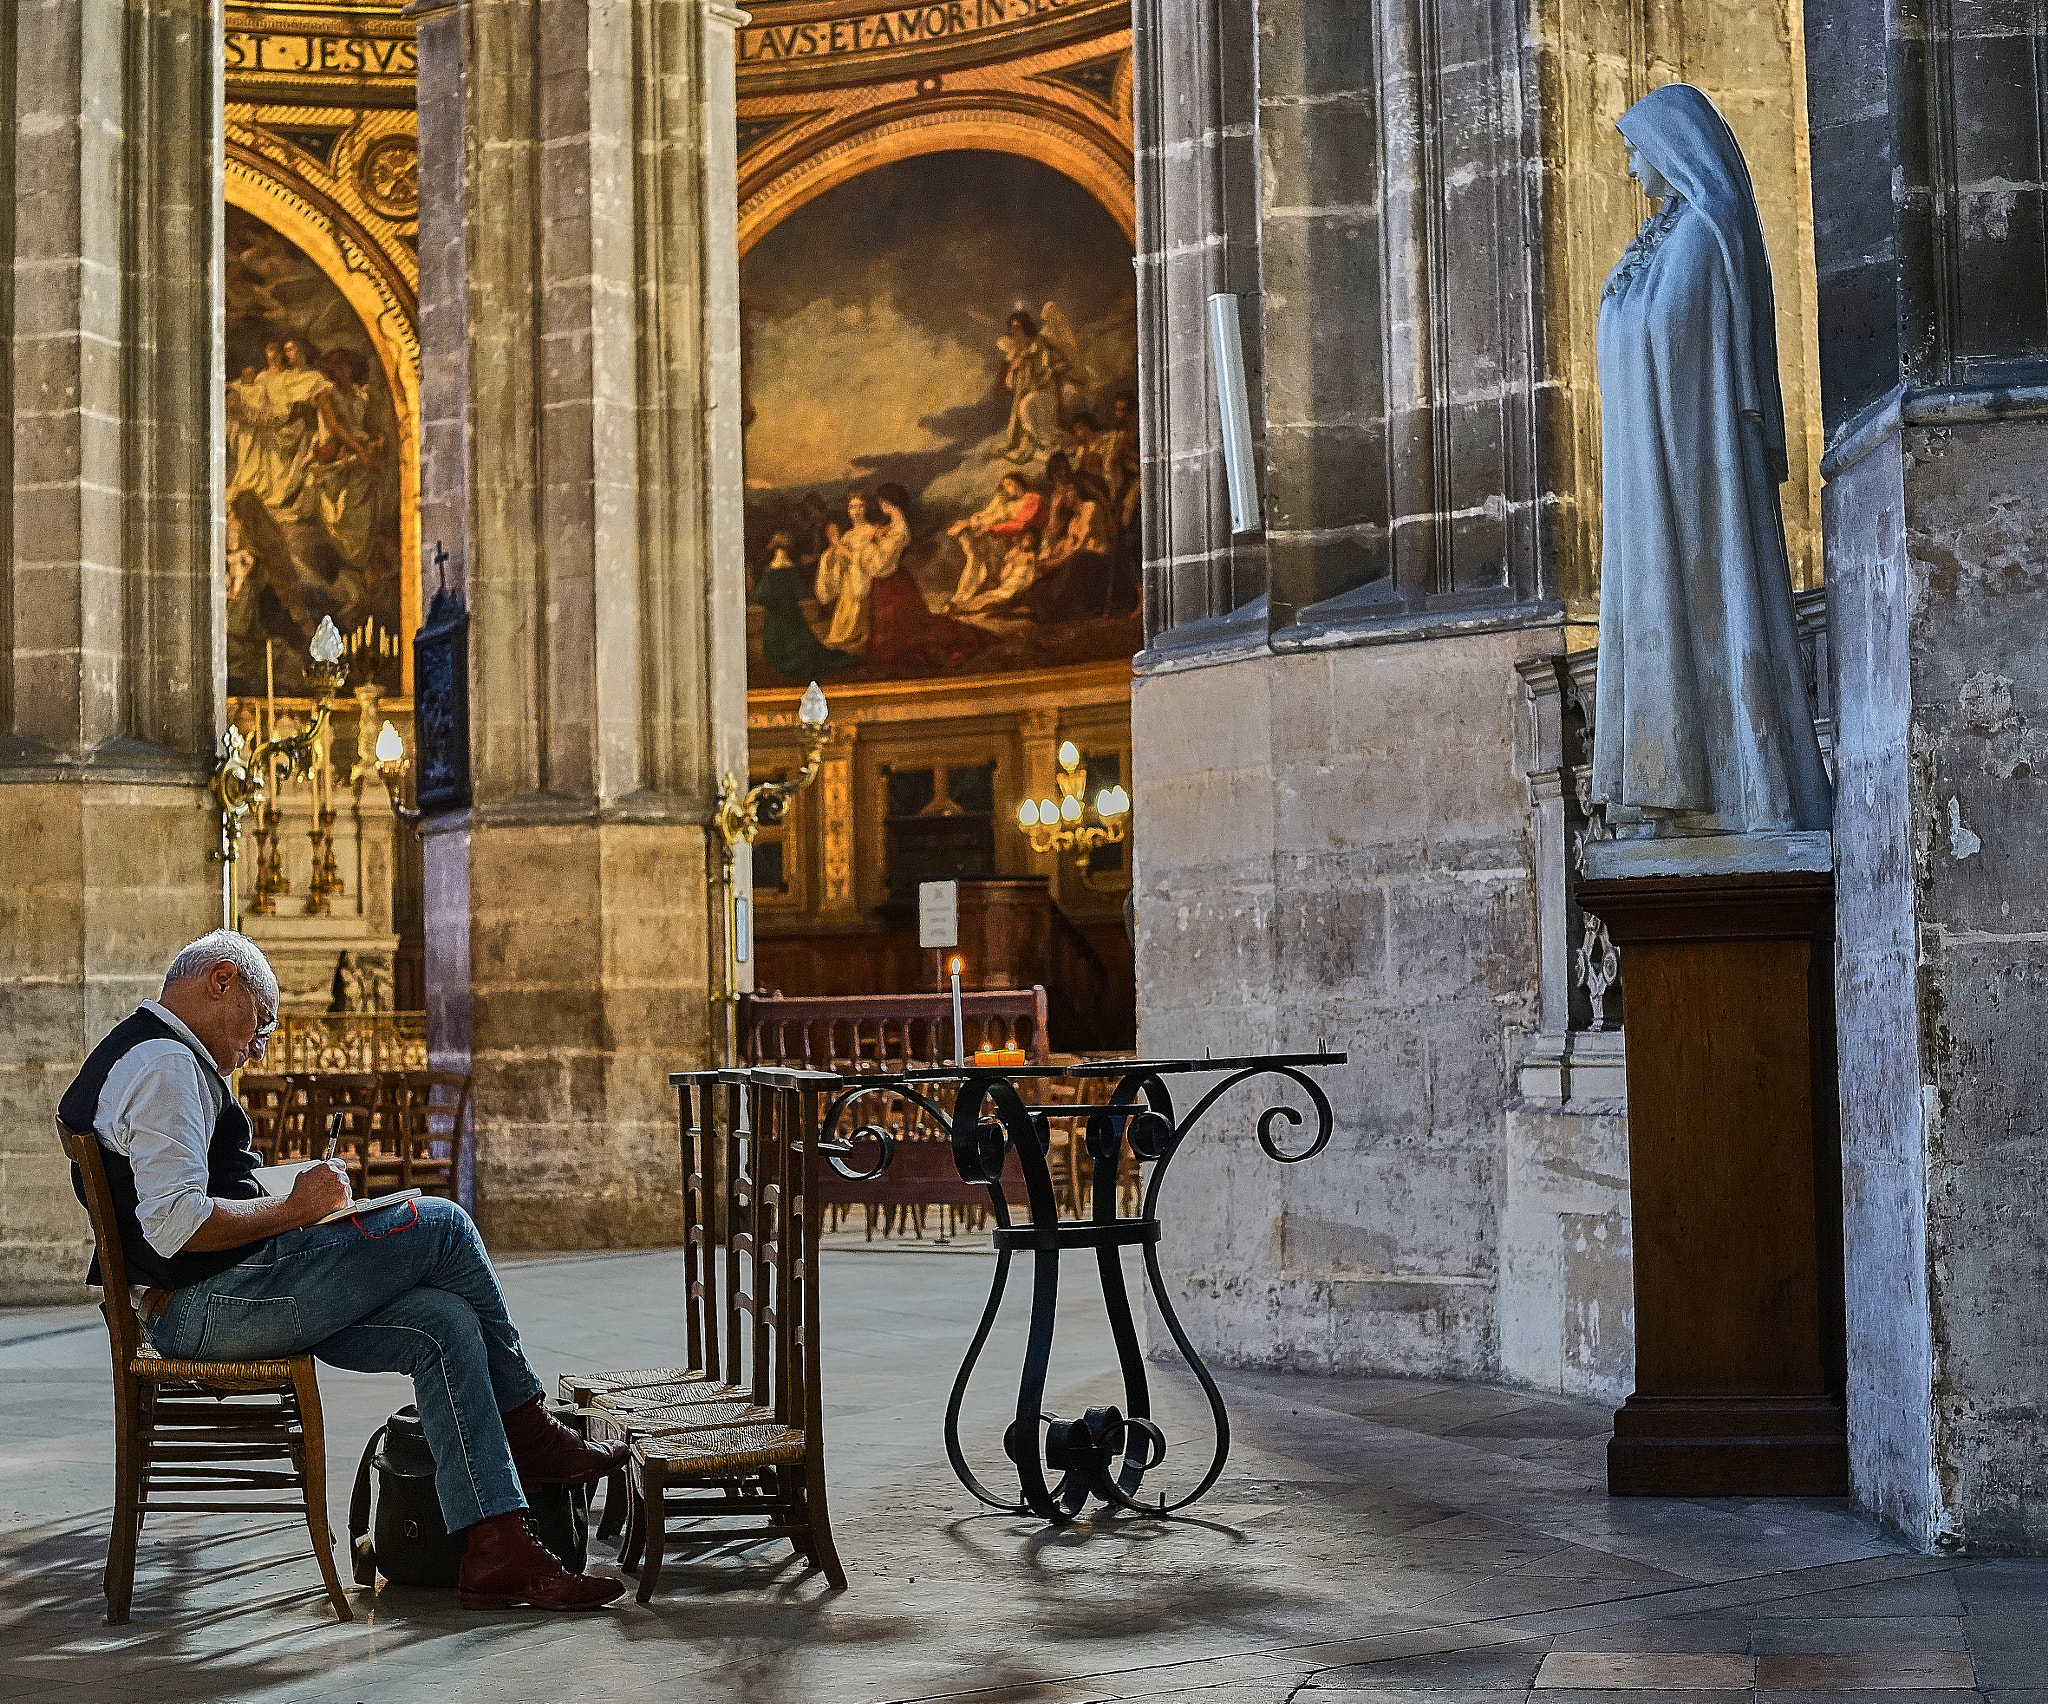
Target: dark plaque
440, 654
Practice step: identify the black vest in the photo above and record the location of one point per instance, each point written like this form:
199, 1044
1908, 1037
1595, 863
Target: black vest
230, 1161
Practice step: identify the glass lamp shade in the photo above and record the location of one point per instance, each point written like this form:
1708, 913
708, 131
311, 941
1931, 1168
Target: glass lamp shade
1070, 755
811, 709
390, 744
326, 642
1027, 813
1070, 810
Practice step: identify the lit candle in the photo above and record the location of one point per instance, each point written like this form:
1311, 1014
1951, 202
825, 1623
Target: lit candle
959, 1029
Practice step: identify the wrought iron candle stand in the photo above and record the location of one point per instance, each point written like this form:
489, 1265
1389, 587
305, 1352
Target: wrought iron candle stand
1106, 1452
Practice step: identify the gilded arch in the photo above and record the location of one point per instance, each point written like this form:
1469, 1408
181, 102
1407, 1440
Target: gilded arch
1052, 134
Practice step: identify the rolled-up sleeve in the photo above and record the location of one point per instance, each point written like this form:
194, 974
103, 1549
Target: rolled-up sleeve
161, 1117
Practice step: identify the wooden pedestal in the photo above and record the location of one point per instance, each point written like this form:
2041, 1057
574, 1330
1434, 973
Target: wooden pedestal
1735, 1173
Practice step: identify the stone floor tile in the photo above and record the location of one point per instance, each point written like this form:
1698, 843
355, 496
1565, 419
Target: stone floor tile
1641, 1695
1945, 1695
1726, 1633
1882, 1670
1480, 1668
1921, 1594
2003, 1586
1322, 1689
1643, 1671
2010, 1650
1817, 1635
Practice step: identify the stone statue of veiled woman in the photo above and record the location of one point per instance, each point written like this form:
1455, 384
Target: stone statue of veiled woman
1702, 723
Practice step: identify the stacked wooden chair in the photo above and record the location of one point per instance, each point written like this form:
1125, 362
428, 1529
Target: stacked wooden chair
276, 1106
428, 1118
734, 1435
192, 1437
399, 1129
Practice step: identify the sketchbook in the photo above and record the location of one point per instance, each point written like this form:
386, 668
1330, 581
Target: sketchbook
277, 1180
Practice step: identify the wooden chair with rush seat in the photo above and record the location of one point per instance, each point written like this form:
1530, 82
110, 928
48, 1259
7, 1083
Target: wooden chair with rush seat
217, 1437
737, 1433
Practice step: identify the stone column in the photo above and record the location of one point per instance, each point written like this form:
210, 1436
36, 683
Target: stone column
1934, 367
113, 664
579, 305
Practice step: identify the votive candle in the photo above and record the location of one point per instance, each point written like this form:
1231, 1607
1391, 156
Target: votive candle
959, 1028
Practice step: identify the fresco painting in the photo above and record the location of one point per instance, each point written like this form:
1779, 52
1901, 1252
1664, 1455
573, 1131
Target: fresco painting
312, 472
942, 443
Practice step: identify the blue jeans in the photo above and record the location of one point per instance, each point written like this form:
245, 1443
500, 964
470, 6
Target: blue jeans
395, 1293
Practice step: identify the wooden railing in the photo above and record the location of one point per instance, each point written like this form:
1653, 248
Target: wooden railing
887, 1032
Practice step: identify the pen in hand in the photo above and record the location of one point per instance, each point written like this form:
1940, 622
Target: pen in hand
333, 1133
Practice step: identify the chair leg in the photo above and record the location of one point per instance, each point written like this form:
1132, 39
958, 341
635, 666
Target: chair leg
630, 1541
314, 1476
653, 1530
786, 1489
614, 1517
118, 1582
823, 1552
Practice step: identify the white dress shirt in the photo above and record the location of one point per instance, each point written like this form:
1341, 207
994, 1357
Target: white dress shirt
158, 1108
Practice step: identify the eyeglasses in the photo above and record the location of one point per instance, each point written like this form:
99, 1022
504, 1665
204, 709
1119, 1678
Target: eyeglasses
266, 1021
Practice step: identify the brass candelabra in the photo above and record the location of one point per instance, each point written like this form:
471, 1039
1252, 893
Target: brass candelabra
742, 814
240, 781
1072, 822
271, 879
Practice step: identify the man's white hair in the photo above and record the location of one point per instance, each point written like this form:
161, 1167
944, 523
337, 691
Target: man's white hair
238, 950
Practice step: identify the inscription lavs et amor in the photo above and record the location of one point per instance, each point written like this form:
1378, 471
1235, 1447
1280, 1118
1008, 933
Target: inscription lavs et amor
905, 26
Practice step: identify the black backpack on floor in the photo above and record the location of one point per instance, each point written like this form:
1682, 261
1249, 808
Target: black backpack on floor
407, 1541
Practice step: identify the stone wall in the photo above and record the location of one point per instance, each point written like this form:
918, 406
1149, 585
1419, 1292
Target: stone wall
1934, 352
580, 407
112, 653
1335, 848
1938, 541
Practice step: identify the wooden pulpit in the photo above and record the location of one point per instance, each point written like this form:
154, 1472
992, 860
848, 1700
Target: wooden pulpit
1735, 1173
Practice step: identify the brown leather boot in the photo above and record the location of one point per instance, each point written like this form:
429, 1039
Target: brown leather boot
506, 1563
548, 1453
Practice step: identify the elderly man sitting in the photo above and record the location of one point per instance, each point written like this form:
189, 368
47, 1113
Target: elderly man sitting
232, 1274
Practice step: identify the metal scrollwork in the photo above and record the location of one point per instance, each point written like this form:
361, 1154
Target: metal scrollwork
1106, 1453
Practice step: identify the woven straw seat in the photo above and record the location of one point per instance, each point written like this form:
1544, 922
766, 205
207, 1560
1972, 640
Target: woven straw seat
224, 1375
199, 1437
667, 1395
582, 1389
721, 1449
693, 1417
623, 1425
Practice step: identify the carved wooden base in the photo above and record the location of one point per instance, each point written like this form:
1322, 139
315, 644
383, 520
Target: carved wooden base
1735, 1177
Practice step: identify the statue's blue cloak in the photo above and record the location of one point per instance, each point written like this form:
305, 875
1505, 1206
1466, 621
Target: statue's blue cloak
1702, 709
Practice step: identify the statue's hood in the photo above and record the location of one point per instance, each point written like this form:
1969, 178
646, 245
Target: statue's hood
1681, 132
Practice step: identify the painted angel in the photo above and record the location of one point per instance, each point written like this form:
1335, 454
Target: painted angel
1042, 371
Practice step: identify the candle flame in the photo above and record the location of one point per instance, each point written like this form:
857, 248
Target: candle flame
955, 967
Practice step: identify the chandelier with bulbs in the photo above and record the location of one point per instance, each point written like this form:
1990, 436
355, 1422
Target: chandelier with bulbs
1072, 822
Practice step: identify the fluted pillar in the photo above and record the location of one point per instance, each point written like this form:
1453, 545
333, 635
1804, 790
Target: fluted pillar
580, 342
112, 647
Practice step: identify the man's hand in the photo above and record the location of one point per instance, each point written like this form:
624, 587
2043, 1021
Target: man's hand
316, 1192
319, 1190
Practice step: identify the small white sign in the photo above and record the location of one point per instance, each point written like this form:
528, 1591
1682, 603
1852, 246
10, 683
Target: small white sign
938, 914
